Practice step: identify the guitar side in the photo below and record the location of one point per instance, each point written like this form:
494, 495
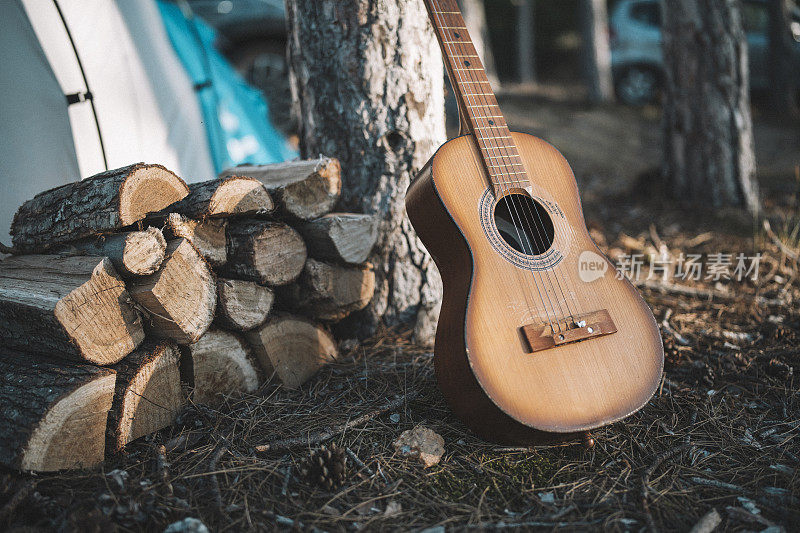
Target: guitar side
479, 324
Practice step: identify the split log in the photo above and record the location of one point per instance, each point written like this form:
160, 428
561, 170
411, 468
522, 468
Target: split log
104, 203
345, 237
180, 298
302, 189
133, 253
232, 196
52, 416
222, 365
242, 305
269, 253
208, 236
330, 292
71, 307
148, 394
293, 348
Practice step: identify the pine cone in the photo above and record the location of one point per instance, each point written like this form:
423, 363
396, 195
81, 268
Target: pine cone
326, 467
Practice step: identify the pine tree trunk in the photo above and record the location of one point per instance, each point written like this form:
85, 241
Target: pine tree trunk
596, 50
784, 80
709, 157
367, 82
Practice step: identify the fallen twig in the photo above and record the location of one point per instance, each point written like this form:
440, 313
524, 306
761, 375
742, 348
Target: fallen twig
329, 433
707, 294
660, 458
212, 467
162, 467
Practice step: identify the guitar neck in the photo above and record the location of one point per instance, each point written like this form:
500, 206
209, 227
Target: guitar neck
475, 97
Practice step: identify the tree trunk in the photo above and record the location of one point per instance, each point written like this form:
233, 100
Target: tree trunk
709, 157
367, 82
526, 43
784, 80
474, 12
596, 50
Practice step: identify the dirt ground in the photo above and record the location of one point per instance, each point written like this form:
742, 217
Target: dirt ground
720, 435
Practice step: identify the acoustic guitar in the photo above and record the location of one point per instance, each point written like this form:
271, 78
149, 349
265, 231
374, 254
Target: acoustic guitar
538, 336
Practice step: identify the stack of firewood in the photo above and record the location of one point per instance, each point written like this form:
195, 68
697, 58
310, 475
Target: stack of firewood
128, 286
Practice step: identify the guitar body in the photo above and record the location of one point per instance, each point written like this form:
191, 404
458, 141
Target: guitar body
489, 362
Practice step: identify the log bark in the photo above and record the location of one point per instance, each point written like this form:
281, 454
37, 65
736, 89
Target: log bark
301, 189
329, 292
104, 203
71, 307
709, 156
229, 197
208, 236
343, 237
52, 416
242, 305
373, 67
293, 348
133, 253
596, 50
181, 297
148, 394
222, 365
269, 253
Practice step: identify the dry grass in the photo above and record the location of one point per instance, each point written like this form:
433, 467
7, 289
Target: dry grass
721, 433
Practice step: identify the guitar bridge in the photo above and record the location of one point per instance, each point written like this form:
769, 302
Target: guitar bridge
580, 328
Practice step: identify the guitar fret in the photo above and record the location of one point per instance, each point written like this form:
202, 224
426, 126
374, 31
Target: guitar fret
514, 182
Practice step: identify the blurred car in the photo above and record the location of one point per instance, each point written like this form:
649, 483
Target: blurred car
637, 60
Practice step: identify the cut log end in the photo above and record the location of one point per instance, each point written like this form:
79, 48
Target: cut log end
222, 366
239, 196
143, 252
269, 253
52, 417
293, 348
148, 189
242, 305
148, 394
208, 236
74, 307
181, 296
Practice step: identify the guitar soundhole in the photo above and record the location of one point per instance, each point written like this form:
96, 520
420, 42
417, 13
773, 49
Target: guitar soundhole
524, 224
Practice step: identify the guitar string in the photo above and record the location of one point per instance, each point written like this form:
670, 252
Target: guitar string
508, 163
438, 15
513, 153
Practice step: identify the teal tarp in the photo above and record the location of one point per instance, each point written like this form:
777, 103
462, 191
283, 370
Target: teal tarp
236, 115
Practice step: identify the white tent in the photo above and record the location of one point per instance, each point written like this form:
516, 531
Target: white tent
145, 102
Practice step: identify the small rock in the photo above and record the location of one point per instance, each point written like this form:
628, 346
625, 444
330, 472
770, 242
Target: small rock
423, 443
187, 525
394, 418
547, 497
392, 508
120, 477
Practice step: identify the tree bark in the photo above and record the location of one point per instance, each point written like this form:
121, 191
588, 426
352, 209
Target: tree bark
368, 87
474, 12
52, 416
784, 78
301, 189
329, 292
341, 237
103, 203
596, 50
709, 158
70, 307
147, 396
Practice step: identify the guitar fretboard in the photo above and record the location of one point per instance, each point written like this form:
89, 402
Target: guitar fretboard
476, 98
